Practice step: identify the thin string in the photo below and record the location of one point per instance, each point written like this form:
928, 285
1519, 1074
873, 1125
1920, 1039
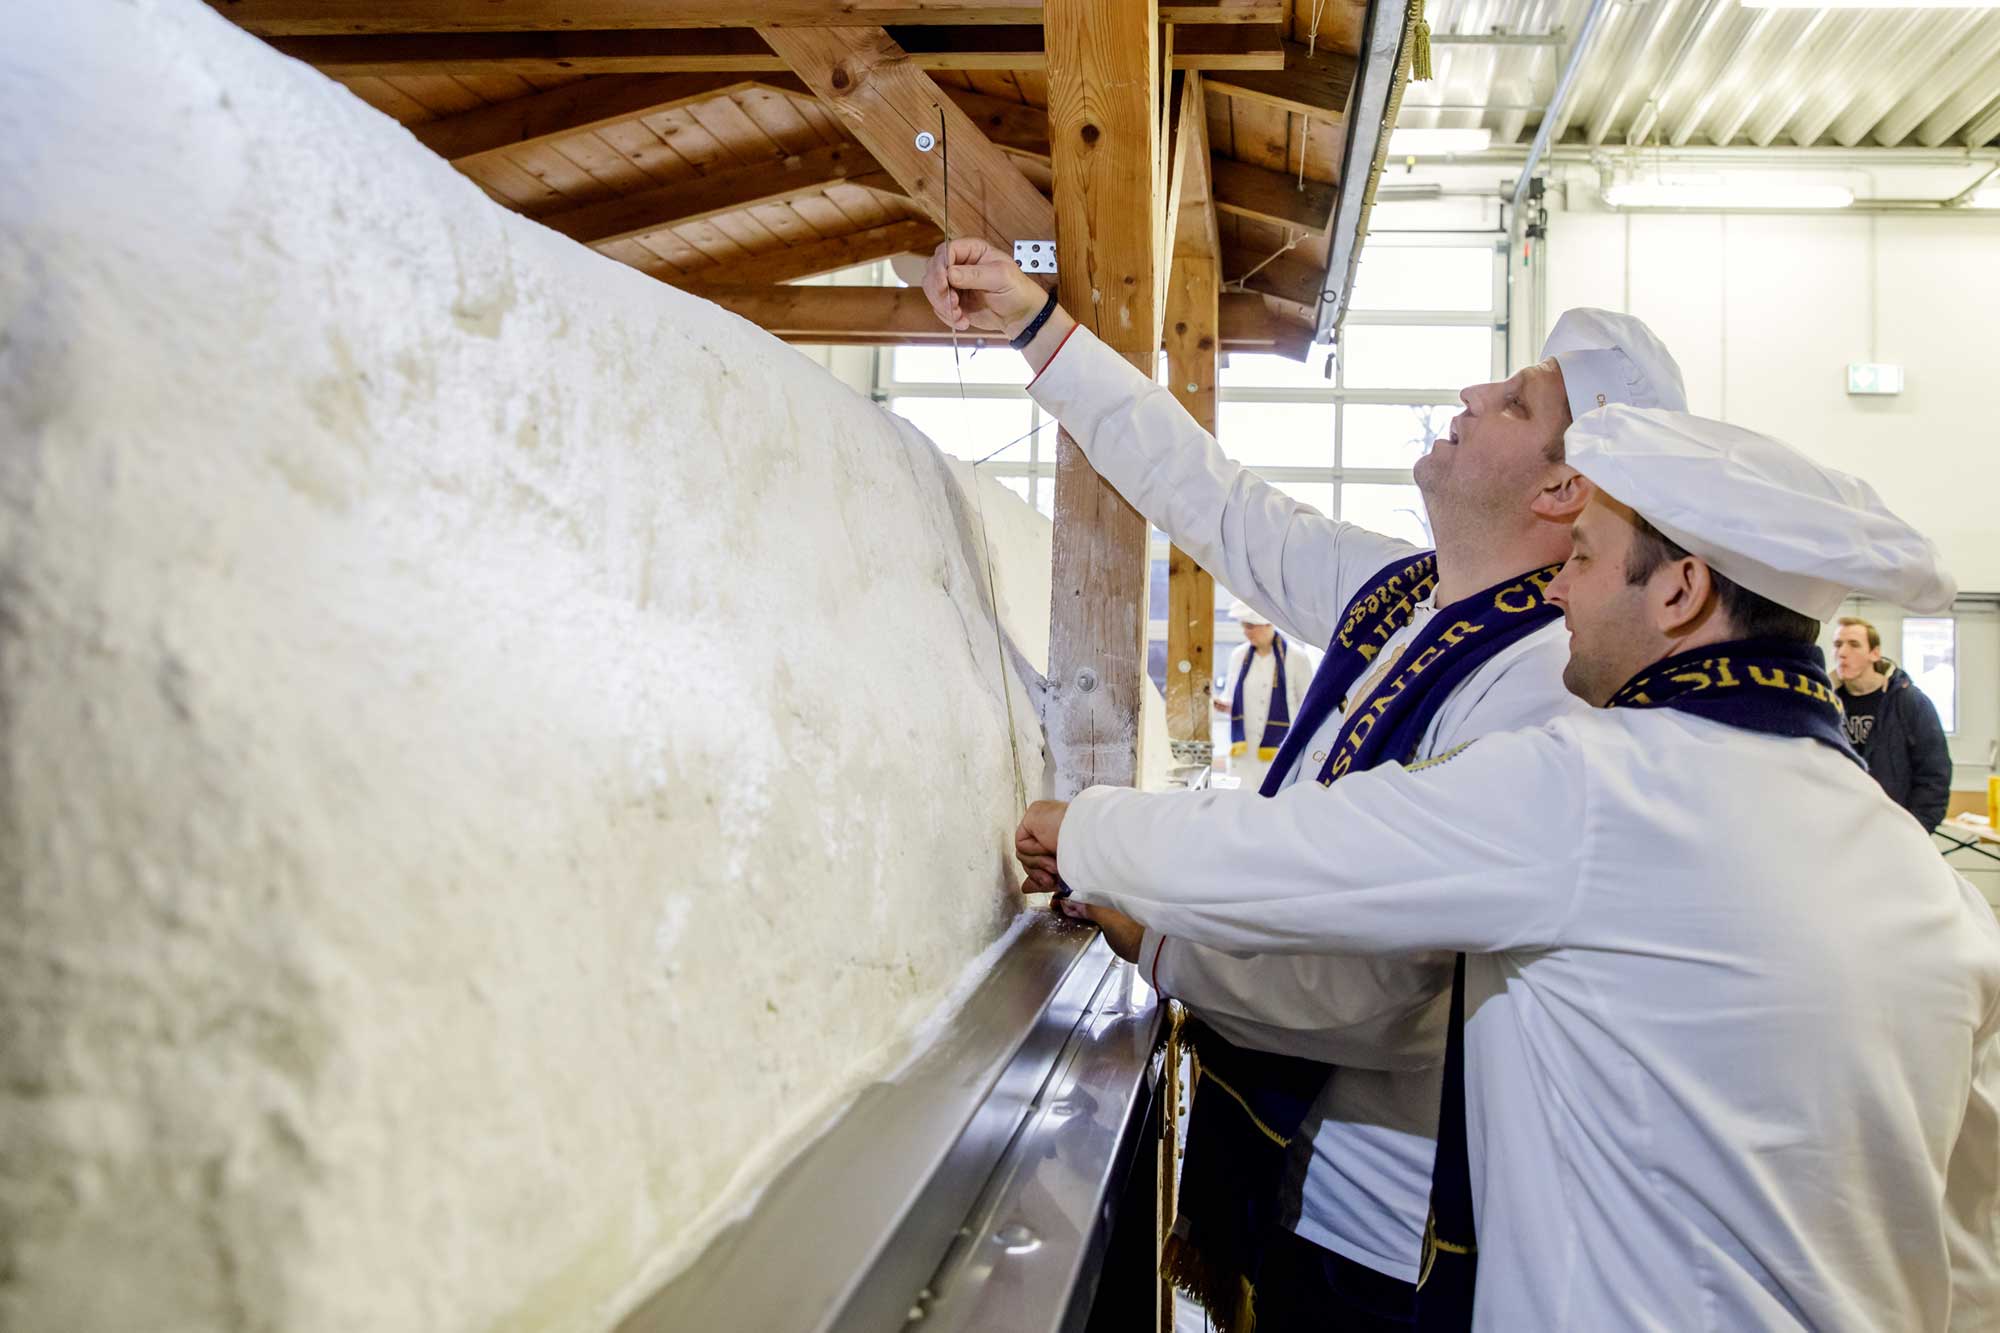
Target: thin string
1238, 282
979, 498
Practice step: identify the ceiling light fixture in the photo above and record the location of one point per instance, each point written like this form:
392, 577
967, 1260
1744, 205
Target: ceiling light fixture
1726, 196
1869, 4
1414, 142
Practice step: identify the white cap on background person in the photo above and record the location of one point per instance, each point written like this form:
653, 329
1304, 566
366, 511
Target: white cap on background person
1249, 615
1761, 513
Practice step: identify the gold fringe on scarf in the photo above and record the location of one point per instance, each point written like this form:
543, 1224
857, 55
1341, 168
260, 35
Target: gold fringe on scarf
1229, 1298
1230, 1311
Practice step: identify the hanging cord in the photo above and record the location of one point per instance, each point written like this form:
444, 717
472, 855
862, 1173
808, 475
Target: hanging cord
1312, 37
979, 501
1255, 269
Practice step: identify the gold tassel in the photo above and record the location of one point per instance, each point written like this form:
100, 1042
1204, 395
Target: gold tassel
1420, 47
1231, 1312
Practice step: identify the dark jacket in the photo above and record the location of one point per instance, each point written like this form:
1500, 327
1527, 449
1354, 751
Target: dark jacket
1906, 751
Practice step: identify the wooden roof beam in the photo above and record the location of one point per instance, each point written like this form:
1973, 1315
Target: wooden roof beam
885, 101
1235, 47
886, 316
634, 215
1272, 196
809, 261
1286, 278
293, 18
576, 108
1317, 84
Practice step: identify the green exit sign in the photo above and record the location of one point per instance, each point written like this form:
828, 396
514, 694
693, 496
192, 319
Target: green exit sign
1871, 377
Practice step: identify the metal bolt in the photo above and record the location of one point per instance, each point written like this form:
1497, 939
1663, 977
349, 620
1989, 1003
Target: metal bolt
1086, 680
1017, 1238
1185, 666
925, 141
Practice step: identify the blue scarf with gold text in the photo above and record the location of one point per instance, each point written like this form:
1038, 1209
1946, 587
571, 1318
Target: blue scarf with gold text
1248, 1105
1280, 716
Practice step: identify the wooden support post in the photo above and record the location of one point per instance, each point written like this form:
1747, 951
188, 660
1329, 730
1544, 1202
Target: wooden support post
1193, 342
1104, 127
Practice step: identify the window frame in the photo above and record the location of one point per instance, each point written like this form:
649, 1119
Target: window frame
1949, 618
1040, 466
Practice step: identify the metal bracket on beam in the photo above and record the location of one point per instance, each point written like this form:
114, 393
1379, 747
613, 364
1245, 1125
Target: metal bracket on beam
1035, 256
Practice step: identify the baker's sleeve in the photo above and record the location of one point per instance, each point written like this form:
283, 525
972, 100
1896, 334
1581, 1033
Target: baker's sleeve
1291, 562
1365, 1013
1972, 1198
1480, 850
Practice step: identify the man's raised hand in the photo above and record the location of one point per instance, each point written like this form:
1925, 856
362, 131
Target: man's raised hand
974, 287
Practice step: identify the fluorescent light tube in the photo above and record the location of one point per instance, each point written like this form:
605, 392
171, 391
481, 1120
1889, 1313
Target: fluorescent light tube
1869, 4
1431, 143
1723, 196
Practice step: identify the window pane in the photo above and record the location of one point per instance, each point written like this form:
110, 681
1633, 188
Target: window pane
1156, 590
1277, 434
1424, 277
981, 365
1318, 494
1374, 436
1261, 370
1045, 494
1416, 357
1396, 510
1930, 655
1021, 486
971, 429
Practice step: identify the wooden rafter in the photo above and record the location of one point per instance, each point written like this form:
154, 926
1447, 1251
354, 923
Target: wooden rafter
1315, 84
574, 108
1284, 277
826, 256
886, 102
633, 215
1104, 89
882, 316
1193, 346
1272, 196
1233, 47
305, 17
589, 104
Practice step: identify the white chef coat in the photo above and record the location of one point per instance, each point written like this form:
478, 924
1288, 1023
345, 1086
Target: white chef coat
1299, 664
1361, 1169
1731, 1057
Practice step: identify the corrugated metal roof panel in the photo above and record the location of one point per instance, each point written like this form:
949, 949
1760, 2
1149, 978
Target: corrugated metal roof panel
1676, 72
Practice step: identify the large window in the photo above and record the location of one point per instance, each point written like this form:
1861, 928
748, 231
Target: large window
1930, 655
1337, 432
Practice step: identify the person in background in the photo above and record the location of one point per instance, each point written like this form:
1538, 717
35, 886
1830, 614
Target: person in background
1893, 725
1268, 676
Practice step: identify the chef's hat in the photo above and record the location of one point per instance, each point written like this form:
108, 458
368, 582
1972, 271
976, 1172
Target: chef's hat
1248, 614
1609, 358
1758, 511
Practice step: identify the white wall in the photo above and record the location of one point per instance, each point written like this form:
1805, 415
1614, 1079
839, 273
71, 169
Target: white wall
1764, 313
